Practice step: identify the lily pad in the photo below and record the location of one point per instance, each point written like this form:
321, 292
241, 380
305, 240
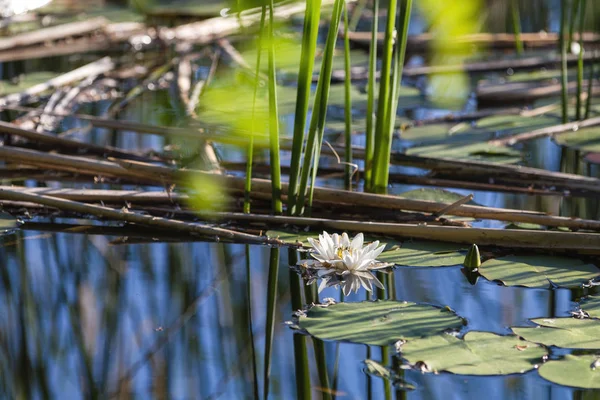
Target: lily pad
468, 151
424, 254
432, 194
7, 222
378, 323
478, 353
573, 370
538, 271
569, 333
591, 305
585, 139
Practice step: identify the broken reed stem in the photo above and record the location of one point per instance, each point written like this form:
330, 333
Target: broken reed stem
453, 206
126, 216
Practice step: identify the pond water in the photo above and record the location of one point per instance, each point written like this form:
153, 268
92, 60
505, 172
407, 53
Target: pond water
89, 316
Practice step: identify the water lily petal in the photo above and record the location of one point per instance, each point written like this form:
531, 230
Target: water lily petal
357, 242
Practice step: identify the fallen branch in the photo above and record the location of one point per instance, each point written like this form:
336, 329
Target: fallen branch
126, 216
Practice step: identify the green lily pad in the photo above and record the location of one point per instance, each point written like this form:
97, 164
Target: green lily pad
25, 82
585, 139
538, 271
516, 123
591, 305
432, 194
424, 254
468, 151
7, 222
569, 333
378, 323
478, 353
573, 370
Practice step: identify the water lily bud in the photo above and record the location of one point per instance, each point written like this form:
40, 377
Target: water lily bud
472, 260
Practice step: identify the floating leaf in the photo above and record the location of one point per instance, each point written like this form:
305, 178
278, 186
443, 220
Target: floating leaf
424, 254
582, 371
438, 195
538, 271
569, 333
585, 139
478, 353
378, 323
7, 222
591, 305
468, 151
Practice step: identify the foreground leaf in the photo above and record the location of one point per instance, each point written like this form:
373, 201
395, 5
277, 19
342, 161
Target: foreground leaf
538, 271
378, 323
569, 333
478, 353
576, 371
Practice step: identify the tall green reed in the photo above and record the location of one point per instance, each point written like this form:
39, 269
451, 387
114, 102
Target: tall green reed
300, 349
371, 86
582, 7
271, 311
563, 59
250, 148
347, 105
309, 45
516, 23
319, 112
588, 100
388, 95
273, 120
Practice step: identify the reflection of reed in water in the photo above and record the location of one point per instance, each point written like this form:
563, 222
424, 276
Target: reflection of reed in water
9, 8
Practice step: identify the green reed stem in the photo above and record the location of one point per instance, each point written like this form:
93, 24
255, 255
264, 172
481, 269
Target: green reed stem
385, 359
307, 57
384, 95
251, 331
563, 59
303, 391
582, 7
317, 121
588, 101
516, 22
347, 104
372, 82
250, 149
271, 308
274, 120
572, 18
387, 106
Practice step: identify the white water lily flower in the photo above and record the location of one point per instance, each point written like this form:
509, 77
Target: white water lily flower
341, 261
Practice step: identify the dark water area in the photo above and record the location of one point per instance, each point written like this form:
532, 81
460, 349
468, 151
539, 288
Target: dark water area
87, 316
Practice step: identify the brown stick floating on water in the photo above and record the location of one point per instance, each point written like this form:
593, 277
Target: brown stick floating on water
112, 214
103, 151
165, 175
